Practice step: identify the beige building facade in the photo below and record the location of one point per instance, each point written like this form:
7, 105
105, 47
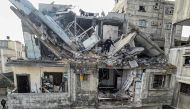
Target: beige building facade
180, 56
89, 85
10, 50
32, 71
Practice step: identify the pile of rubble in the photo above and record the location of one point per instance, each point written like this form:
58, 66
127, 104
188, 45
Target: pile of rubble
76, 40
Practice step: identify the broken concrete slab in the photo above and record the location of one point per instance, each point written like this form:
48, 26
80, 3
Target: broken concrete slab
121, 43
152, 48
28, 9
133, 64
91, 41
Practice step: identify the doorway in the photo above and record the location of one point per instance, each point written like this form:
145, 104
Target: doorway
23, 83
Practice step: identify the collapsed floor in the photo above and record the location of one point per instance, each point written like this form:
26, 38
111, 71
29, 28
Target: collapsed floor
121, 74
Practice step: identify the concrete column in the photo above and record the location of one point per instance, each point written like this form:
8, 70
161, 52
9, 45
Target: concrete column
2, 61
173, 35
170, 40
75, 26
125, 25
16, 51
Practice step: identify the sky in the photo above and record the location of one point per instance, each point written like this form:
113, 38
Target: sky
10, 24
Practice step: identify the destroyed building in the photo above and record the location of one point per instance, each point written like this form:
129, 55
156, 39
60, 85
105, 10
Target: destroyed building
154, 17
67, 68
179, 56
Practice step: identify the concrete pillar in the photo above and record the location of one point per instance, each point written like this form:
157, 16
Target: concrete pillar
173, 35
170, 40
125, 25
2, 61
176, 94
16, 51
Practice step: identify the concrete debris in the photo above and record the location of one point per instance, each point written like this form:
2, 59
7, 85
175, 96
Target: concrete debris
121, 43
85, 58
148, 61
88, 57
133, 64
79, 37
91, 41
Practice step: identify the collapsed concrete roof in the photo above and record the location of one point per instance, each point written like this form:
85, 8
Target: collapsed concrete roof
67, 43
35, 63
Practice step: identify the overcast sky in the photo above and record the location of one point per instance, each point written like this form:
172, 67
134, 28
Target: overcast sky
10, 24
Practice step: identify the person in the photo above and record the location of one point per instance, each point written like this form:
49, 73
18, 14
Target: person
108, 44
3, 103
82, 13
102, 14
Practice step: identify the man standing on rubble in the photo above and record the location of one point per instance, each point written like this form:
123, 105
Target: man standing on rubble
108, 44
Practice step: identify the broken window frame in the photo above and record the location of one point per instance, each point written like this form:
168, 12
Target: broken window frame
156, 6
165, 85
141, 8
60, 90
4, 44
168, 26
169, 10
185, 88
186, 60
142, 23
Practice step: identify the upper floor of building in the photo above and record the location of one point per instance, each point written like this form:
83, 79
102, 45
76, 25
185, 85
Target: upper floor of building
12, 49
148, 8
9, 44
180, 57
182, 12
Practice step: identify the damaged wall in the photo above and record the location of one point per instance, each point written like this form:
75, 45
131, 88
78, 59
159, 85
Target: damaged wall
160, 96
154, 18
35, 73
140, 90
38, 101
84, 89
182, 12
32, 46
110, 31
179, 58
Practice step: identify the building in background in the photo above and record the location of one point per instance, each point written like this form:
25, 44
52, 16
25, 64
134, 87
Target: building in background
180, 56
154, 17
10, 50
